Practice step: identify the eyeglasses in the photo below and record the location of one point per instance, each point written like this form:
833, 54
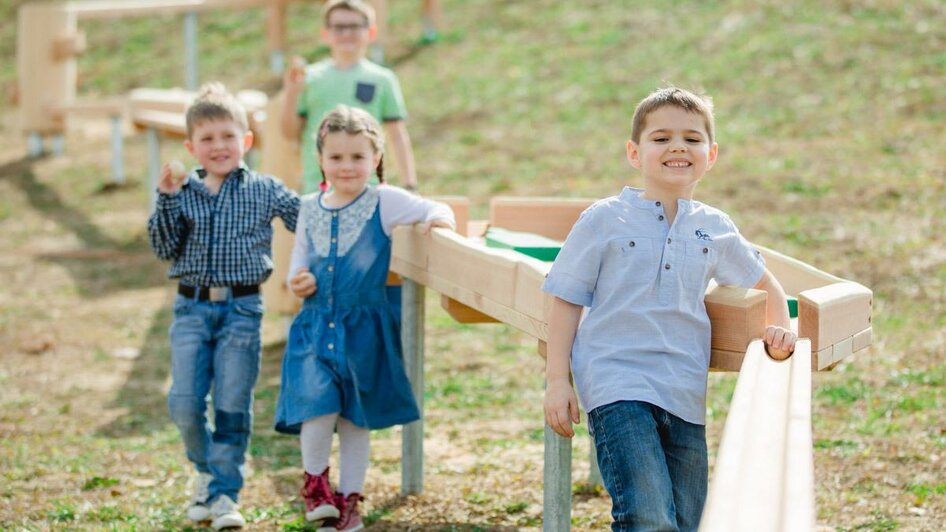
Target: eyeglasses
346, 28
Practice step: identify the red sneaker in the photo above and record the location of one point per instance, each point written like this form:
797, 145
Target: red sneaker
350, 518
320, 503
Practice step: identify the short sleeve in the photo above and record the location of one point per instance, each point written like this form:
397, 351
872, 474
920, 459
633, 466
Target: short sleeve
739, 264
574, 273
392, 104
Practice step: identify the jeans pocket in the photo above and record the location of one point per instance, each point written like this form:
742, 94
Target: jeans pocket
182, 305
249, 306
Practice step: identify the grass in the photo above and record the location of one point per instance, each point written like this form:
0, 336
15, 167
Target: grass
829, 123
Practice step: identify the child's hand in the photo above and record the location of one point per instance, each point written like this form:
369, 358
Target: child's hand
302, 283
779, 342
171, 178
561, 407
293, 79
436, 222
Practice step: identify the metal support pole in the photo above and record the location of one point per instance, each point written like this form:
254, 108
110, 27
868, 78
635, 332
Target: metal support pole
277, 61
118, 170
190, 51
557, 480
34, 145
57, 144
412, 341
594, 474
154, 166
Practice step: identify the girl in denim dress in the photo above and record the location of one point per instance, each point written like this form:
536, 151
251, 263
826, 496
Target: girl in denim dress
343, 369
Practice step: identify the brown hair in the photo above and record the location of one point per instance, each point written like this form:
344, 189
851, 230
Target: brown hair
213, 102
354, 121
358, 6
676, 97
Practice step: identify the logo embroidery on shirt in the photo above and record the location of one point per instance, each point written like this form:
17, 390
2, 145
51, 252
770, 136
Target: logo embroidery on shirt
703, 235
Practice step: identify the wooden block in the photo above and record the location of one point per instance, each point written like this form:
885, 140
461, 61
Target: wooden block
839, 351
531, 244
721, 360
106, 106
822, 359
833, 313
862, 340
409, 247
550, 217
461, 210
69, 46
167, 123
737, 316
463, 313
477, 228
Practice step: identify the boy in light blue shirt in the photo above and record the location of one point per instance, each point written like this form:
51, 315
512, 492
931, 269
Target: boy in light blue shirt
641, 262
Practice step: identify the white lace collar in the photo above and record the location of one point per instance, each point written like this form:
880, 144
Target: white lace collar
352, 218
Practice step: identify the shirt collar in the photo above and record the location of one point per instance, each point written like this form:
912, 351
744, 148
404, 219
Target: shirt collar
632, 196
241, 171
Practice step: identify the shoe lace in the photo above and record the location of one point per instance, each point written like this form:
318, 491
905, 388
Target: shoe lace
316, 490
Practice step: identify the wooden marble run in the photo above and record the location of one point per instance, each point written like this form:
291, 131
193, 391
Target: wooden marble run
485, 284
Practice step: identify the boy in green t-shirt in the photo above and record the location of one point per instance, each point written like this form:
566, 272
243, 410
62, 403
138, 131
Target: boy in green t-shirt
345, 78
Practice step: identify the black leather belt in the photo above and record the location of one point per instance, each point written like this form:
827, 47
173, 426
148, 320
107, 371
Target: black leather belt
216, 293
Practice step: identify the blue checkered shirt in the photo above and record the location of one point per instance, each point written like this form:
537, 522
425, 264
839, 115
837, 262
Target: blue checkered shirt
222, 239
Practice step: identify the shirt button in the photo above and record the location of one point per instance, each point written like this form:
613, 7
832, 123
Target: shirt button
666, 266
631, 244
661, 217
331, 346
705, 250
331, 325
658, 204
668, 240
331, 268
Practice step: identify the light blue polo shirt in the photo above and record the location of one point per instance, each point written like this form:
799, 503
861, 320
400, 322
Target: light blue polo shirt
646, 335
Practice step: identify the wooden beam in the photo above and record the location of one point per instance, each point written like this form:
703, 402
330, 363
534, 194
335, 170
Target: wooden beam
763, 478
549, 217
463, 313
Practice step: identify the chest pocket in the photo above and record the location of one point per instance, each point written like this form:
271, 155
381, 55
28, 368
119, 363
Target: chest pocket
636, 259
700, 257
364, 92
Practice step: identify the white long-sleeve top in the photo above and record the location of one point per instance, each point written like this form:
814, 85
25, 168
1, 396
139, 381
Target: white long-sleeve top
397, 206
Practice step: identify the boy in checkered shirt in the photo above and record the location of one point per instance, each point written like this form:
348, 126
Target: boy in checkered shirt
215, 226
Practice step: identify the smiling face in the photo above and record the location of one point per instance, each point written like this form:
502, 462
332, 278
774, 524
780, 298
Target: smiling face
674, 151
218, 145
348, 161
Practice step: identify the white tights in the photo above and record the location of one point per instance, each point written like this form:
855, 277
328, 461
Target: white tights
353, 444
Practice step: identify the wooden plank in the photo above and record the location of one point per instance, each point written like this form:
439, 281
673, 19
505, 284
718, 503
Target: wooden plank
167, 123
491, 271
550, 217
722, 360
758, 478
463, 313
141, 8
794, 275
827, 359
737, 316
833, 313
529, 298
44, 84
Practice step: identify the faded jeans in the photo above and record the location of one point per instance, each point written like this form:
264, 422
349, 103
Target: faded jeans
215, 349
653, 465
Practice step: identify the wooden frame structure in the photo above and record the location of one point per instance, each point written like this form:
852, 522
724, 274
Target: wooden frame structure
767, 440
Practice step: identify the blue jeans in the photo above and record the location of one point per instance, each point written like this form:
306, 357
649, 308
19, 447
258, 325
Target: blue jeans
215, 348
653, 465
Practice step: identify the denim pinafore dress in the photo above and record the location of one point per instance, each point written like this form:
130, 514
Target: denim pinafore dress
343, 354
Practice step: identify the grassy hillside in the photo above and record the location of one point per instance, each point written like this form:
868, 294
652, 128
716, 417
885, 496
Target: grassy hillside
830, 120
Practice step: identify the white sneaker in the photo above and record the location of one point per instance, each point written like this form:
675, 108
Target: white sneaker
226, 514
198, 510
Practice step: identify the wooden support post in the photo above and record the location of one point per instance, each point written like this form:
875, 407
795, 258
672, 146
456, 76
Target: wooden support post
118, 169
412, 342
557, 480
276, 35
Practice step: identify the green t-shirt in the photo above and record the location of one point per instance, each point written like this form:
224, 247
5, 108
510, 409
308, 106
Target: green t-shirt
365, 85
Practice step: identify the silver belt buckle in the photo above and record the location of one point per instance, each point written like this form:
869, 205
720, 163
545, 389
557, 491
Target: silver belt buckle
218, 293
